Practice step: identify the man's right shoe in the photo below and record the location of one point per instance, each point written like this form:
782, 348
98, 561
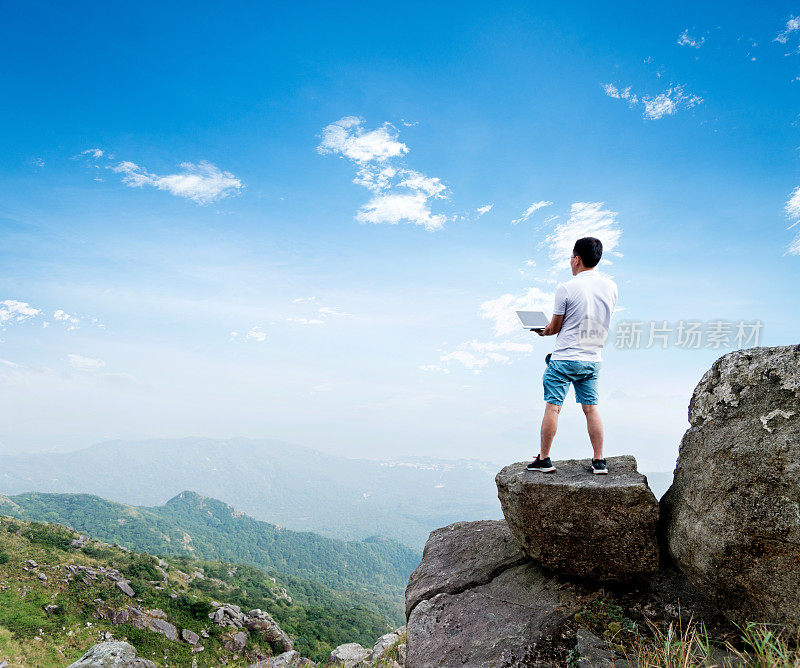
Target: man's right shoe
599, 467
543, 465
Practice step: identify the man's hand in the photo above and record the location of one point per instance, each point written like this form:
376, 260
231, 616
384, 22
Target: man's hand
553, 327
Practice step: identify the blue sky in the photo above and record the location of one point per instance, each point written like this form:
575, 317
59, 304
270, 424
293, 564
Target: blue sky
311, 178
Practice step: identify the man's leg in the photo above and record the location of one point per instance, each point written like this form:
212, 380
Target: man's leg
549, 427
595, 426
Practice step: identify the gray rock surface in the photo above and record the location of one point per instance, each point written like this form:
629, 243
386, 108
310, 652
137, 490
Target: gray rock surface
594, 652
259, 621
381, 645
731, 519
349, 655
491, 614
190, 636
125, 588
236, 642
462, 555
583, 525
285, 660
112, 653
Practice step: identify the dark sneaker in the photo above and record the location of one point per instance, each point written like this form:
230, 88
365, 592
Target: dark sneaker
543, 465
599, 467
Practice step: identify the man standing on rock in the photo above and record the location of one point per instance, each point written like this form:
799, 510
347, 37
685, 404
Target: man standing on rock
581, 319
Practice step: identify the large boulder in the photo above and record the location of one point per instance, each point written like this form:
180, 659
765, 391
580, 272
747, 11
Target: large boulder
490, 605
731, 520
349, 655
112, 654
462, 555
583, 525
259, 621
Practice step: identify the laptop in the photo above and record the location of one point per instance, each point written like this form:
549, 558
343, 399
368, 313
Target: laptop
533, 320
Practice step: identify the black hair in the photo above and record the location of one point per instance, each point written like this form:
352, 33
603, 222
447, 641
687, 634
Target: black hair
589, 250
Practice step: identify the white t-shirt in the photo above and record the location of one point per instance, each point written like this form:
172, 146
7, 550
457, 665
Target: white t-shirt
586, 302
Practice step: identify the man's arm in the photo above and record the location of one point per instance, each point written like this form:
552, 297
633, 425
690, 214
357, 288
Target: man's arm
553, 327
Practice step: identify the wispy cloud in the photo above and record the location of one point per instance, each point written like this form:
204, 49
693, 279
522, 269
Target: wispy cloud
587, 219
530, 211
475, 355
13, 310
502, 310
792, 209
256, 334
399, 194
202, 183
393, 208
331, 310
684, 39
70, 321
792, 25
348, 138
654, 107
484, 209
85, 363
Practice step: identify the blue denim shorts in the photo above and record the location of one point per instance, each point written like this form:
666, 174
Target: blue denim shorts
560, 373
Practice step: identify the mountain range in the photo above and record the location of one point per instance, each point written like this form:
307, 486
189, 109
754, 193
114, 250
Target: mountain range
284, 484
206, 528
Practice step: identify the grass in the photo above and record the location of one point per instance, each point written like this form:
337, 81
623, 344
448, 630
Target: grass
689, 646
31, 636
686, 645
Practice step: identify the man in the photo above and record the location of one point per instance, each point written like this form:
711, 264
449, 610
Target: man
581, 318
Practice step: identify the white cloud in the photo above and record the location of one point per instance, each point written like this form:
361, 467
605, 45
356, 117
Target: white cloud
530, 211
475, 354
93, 152
792, 209
654, 107
587, 219
70, 321
331, 310
202, 183
620, 94
81, 362
792, 25
257, 334
348, 138
685, 40
13, 310
495, 346
429, 367
375, 179
430, 185
401, 194
469, 360
303, 300
502, 310
394, 208
484, 209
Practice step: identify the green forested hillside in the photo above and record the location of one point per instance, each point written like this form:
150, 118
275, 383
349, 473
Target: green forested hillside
48, 617
205, 528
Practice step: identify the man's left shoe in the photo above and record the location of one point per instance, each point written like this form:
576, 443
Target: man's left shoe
599, 467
